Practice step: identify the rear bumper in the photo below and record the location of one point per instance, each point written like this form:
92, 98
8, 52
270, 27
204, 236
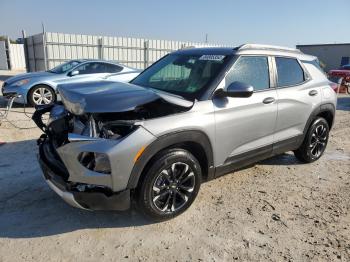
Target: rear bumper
92, 200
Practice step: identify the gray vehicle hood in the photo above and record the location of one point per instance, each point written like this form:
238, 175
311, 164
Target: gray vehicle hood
110, 97
19, 77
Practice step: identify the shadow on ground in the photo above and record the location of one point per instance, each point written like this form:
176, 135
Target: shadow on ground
28, 208
285, 159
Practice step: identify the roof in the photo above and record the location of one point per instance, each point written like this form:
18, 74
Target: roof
267, 47
83, 60
241, 48
206, 51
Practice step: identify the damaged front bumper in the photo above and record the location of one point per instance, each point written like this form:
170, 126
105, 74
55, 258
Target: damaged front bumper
87, 168
56, 177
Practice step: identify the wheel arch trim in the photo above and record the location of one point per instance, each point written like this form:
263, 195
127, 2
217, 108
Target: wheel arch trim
327, 107
168, 140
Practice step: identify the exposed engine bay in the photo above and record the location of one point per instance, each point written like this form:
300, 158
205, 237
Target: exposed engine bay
110, 112
99, 125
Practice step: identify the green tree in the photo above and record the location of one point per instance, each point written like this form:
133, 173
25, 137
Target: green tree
4, 38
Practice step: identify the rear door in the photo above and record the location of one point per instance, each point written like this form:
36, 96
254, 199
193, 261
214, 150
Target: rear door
297, 97
245, 126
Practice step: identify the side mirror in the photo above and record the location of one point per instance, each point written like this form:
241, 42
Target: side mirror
74, 73
239, 89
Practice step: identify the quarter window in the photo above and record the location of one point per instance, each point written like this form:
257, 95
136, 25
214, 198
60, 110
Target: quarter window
252, 70
95, 68
289, 72
110, 68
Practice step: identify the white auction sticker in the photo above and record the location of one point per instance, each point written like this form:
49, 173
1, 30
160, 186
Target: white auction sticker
212, 57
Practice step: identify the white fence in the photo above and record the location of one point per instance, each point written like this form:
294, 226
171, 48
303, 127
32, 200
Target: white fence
47, 50
12, 56
17, 57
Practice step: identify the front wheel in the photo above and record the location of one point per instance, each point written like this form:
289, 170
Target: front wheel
315, 141
41, 95
170, 184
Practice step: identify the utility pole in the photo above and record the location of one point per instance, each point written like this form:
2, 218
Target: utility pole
43, 27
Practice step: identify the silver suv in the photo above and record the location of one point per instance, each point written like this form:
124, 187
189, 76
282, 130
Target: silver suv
194, 115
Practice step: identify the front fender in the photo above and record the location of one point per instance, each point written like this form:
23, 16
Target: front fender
166, 141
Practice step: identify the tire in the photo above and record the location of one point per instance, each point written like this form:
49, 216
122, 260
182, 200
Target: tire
315, 141
159, 196
41, 95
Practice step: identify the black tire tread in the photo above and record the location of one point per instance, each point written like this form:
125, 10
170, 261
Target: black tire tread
302, 153
157, 163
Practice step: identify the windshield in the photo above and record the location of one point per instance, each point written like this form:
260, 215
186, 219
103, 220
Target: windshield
184, 75
63, 68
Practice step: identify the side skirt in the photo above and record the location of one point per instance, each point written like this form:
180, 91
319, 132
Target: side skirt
237, 162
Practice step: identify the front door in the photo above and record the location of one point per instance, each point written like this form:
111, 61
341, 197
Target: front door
245, 126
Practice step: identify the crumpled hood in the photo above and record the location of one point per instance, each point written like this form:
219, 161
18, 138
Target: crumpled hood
109, 97
28, 76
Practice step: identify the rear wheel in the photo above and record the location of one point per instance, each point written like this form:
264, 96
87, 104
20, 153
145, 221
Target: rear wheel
170, 185
315, 141
41, 95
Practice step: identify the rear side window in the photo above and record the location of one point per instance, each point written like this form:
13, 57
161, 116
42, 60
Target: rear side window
315, 63
252, 70
91, 68
110, 68
289, 72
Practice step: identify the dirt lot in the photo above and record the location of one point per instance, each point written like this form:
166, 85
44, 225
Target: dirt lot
279, 210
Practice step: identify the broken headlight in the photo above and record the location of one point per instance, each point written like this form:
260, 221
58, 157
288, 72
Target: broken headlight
97, 162
117, 129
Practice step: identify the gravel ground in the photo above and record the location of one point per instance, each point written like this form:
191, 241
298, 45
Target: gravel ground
278, 210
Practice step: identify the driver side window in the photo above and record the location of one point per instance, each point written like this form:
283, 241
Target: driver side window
252, 70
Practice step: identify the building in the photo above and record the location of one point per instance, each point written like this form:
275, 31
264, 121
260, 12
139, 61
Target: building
332, 56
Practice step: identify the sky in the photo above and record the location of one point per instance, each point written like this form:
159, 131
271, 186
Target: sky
277, 22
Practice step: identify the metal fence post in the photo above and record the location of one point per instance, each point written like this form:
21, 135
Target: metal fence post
146, 54
8, 53
100, 48
45, 52
26, 58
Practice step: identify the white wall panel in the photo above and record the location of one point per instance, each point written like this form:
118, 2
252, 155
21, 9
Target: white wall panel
130, 51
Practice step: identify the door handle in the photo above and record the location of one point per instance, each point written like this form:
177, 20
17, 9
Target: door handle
313, 93
269, 100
